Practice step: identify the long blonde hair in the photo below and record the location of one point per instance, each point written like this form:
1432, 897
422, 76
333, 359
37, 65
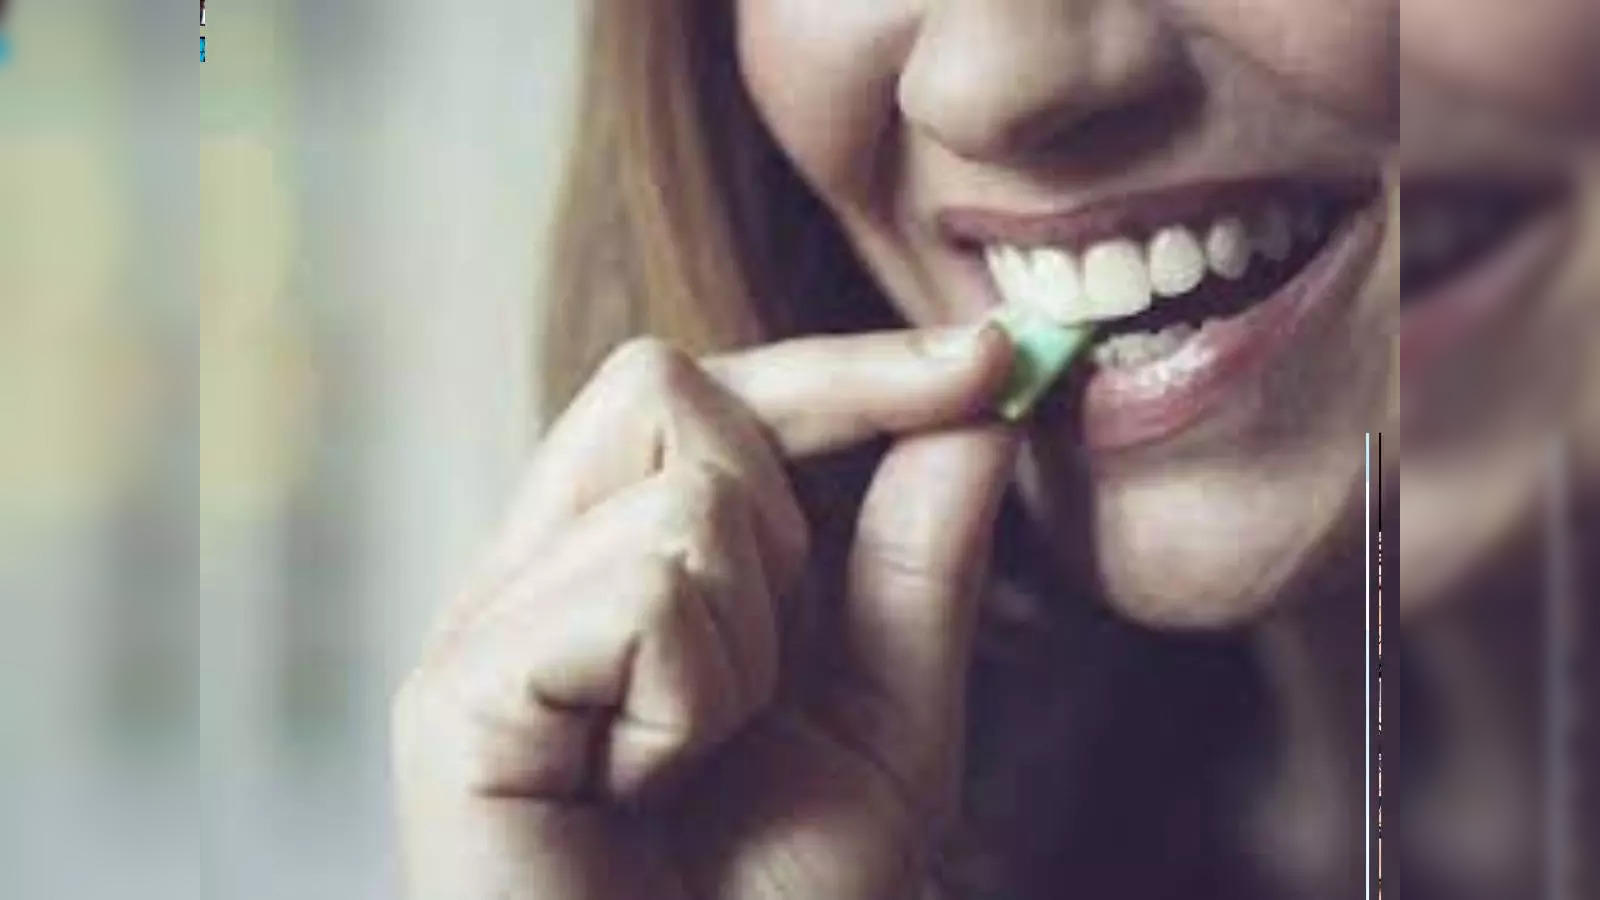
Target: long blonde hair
679, 216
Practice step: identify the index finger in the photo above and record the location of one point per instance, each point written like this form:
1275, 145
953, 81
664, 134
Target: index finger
819, 394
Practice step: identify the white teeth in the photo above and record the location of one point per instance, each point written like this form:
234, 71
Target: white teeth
1104, 353
1010, 273
1043, 281
1228, 248
1116, 281
1162, 343
1057, 286
1273, 235
1122, 350
1139, 348
1180, 332
1118, 277
1177, 262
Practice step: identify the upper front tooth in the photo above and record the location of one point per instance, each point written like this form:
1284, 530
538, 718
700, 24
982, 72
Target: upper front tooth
1010, 271
1227, 248
1116, 281
1273, 235
1045, 281
1057, 285
1177, 263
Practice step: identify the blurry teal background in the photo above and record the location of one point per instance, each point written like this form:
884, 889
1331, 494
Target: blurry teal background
335, 224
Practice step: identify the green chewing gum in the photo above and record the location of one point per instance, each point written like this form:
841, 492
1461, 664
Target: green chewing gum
1042, 350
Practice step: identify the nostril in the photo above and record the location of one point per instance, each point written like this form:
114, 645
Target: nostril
1113, 136
1003, 88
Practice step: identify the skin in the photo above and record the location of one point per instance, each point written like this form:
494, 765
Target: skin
681, 517
908, 108
659, 743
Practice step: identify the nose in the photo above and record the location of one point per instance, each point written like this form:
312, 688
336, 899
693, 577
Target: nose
997, 79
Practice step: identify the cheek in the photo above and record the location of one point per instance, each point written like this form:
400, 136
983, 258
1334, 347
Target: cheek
1341, 54
822, 74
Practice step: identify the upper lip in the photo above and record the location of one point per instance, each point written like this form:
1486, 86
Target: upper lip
1137, 215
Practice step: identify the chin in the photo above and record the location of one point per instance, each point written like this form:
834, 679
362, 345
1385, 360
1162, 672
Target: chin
1220, 602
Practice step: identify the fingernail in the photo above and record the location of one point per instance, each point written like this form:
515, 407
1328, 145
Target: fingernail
957, 343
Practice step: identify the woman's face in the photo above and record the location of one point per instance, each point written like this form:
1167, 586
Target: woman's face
1227, 157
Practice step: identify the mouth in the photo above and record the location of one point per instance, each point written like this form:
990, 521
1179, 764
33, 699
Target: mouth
1474, 248
1190, 291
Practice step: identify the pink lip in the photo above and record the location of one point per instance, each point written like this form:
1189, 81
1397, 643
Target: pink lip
1149, 403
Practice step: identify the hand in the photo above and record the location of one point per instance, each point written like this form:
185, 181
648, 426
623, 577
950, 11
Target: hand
605, 712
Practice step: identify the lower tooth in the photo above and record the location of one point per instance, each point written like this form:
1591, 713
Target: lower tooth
1133, 350
1111, 353
1165, 344
1138, 348
1177, 334
1105, 355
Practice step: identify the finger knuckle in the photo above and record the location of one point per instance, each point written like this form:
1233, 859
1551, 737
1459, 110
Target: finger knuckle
705, 505
664, 588
731, 507
676, 609
725, 514
650, 366
716, 496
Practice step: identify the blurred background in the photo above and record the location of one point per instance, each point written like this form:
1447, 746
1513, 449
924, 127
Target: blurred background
333, 223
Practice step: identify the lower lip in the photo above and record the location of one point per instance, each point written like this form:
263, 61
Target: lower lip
1449, 315
1127, 407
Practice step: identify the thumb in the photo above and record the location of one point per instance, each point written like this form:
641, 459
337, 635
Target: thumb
919, 561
